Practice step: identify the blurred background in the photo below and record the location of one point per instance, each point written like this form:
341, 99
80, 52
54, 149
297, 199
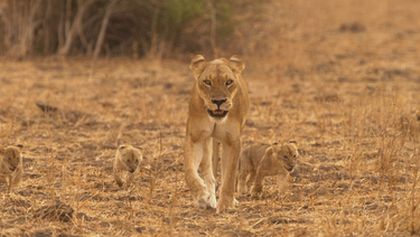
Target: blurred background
281, 32
132, 28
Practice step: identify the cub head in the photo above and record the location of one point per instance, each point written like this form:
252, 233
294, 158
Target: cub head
130, 156
287, 153
12, 157
217, 83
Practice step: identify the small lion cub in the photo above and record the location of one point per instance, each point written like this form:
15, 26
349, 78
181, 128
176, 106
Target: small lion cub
11, 166
260, 160
127, 160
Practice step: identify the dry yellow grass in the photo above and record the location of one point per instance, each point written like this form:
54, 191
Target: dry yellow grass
343, 80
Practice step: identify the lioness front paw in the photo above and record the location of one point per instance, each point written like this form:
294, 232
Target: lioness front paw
206, 201
212, 201
225, 204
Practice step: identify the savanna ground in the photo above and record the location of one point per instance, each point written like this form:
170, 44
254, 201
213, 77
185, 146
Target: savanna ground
343, 81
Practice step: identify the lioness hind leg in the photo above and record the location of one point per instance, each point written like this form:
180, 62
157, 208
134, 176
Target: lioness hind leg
216, 156
192, 159
207, 171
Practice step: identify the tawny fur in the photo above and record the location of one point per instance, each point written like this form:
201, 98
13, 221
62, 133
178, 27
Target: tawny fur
127, 161
261, 160
11, 166
217, 80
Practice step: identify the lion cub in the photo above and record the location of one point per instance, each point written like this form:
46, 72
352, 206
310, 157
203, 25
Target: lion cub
260, 160
11, 166
127, 160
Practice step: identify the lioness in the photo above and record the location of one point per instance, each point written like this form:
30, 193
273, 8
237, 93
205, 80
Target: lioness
127, 160
217, 109
260, 160
11, 166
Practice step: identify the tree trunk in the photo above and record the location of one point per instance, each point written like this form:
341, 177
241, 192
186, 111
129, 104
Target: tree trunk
104, 25
74, 29
213, 21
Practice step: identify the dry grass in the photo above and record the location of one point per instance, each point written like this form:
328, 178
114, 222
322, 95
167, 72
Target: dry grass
350, 98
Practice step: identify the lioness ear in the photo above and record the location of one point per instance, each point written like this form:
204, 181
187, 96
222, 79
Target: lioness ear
236, 64
198, 63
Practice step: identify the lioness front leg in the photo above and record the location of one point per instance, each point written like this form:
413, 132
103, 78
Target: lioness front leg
206, 169
229, 166
193, 157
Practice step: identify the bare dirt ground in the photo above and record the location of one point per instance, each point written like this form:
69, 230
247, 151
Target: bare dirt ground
344, 82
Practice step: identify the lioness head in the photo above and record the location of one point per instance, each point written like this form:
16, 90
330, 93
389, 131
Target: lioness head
130, 156
12, 157
217, 83
287, 153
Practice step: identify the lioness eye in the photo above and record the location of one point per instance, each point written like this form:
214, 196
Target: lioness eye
207, 82
229, 82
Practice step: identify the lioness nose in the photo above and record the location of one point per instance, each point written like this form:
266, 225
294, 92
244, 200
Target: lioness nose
218, 102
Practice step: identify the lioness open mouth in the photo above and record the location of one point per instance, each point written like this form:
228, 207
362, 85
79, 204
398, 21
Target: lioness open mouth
218, 113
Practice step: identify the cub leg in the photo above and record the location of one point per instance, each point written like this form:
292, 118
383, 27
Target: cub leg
129, 180
257, 184
15, 178
117, 177
250, 180
244, 172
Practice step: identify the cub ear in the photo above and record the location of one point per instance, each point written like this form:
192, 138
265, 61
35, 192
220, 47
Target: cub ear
236, 64
139, 154
11, 152
121, 147
292, 142
268, 152
198, 63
